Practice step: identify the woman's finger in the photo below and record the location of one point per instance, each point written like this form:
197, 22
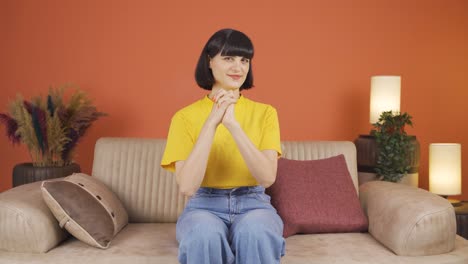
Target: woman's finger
226, 97
226, 101
219, 94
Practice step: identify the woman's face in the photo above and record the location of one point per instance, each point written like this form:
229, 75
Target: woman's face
229, 72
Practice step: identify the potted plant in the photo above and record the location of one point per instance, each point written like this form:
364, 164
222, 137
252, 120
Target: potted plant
51, 128
397, 152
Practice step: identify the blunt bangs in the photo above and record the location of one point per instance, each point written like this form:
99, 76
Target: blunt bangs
237, 44
230, 42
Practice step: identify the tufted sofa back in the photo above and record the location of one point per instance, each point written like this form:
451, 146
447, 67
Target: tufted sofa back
130, 167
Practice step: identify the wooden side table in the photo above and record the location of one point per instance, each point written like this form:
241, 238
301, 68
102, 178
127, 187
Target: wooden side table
461, 213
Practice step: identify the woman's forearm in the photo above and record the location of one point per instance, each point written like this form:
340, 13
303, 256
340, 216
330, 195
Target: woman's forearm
190, 173
262, 166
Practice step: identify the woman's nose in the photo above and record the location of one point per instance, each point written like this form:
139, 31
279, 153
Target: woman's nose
237, 65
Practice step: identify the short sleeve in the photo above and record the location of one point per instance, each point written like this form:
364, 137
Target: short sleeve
271, 132
179, 143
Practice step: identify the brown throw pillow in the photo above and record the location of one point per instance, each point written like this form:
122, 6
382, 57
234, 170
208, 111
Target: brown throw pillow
316, 196
86, 208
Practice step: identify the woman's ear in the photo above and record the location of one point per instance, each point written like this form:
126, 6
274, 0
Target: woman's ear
209, 61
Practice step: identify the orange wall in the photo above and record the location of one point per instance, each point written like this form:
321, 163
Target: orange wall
313, 62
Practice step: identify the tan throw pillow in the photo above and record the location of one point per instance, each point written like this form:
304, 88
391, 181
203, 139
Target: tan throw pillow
86, 208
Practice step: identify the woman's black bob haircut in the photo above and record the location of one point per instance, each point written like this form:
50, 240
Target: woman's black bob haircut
228, 42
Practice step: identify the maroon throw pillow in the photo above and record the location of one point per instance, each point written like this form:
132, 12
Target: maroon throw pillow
316, 196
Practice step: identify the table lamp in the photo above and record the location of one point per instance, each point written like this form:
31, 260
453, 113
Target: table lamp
384, 96
445, 170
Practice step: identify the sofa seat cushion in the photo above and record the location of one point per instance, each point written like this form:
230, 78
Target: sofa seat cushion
155, 243
358, 248
134, 244
86, 208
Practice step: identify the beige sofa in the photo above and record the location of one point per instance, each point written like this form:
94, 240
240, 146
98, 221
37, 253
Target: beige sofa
406, 225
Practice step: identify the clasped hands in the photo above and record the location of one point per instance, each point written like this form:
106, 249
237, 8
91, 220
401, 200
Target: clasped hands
223, 108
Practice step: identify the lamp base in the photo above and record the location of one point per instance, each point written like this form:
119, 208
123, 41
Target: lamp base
454, 202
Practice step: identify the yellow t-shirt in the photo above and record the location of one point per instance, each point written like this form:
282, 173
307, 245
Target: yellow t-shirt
226, 167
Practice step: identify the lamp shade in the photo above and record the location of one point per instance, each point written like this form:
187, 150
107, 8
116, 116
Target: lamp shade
445, 168
385, 96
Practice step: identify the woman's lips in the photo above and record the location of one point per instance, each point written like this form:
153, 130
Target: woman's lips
235, 77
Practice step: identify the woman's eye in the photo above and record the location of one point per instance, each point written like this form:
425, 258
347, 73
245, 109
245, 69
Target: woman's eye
244, 60
228, 58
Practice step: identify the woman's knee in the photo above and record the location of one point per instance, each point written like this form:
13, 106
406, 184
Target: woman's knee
259, 223
258, 241
203, 239
201, 226
203, 233
254, 231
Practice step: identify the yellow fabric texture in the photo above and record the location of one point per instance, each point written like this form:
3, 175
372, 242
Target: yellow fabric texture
226, 167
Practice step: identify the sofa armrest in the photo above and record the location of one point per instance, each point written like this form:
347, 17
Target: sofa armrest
408, 220
26, 223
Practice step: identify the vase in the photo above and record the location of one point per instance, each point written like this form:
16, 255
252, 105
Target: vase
366, 150
26, 173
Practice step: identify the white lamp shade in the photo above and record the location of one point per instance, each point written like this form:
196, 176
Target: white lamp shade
445, 168
385, 96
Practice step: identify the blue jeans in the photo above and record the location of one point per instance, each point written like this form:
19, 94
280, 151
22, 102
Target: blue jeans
223, 226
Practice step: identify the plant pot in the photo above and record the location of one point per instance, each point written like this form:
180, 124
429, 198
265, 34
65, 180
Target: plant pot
366, 150
26, 173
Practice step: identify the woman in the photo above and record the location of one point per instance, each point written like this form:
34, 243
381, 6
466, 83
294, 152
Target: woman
224, 149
